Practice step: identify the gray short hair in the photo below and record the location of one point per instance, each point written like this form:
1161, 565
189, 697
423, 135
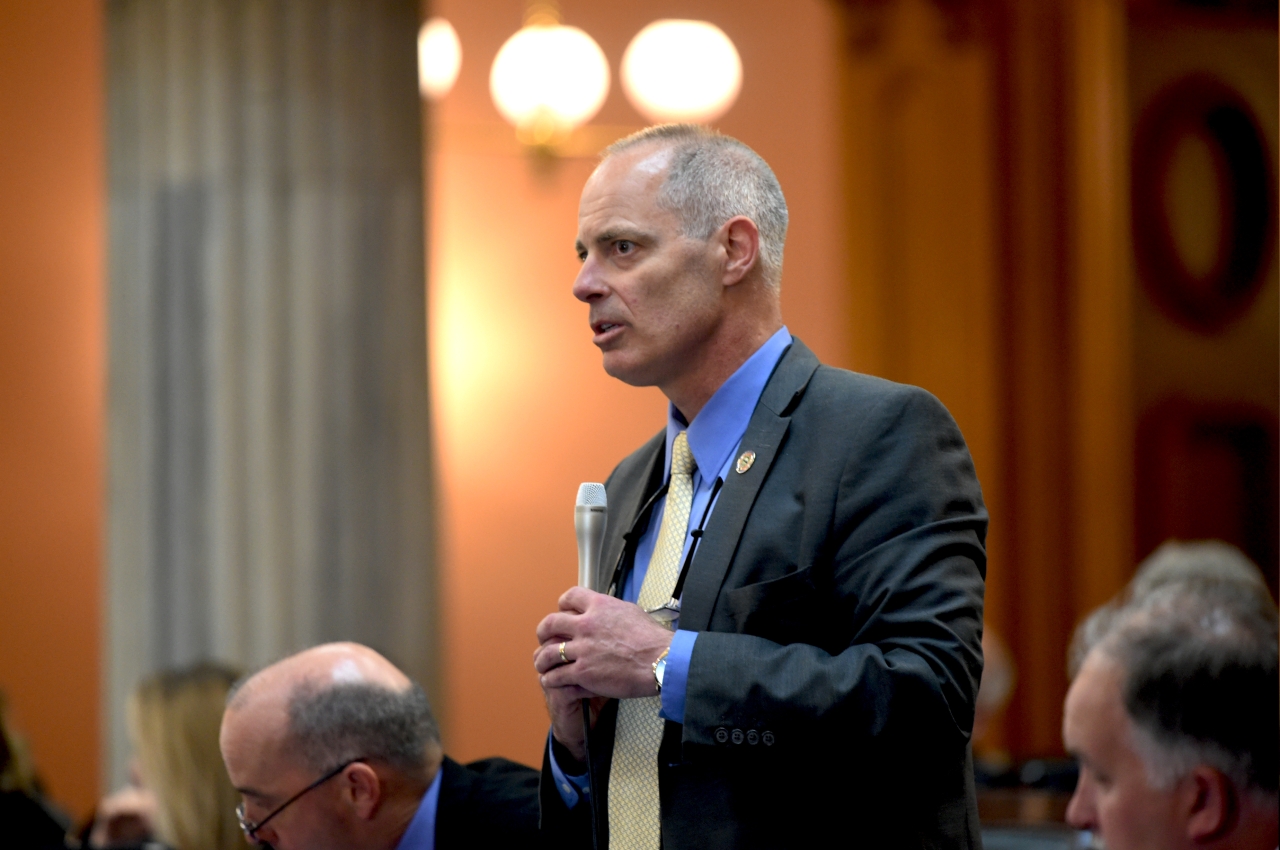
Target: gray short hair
1195, 565
1210, 560
1199, 660
713, 178
332, 724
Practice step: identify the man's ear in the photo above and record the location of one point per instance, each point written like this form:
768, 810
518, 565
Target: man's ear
1209, 803
740, 239
362, 788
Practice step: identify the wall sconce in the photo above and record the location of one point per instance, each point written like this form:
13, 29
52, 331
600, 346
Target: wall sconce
684, 71
548, 79
439, 58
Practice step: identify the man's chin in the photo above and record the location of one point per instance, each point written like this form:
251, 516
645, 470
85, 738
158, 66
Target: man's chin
627, 371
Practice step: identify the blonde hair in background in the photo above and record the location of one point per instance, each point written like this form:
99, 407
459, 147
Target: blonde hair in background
174, 719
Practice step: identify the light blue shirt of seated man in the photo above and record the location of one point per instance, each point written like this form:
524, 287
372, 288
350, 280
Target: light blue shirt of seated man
714, 436
421, 834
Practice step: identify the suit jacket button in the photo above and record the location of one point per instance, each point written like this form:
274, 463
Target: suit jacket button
722, 735
753, 737
767, 737
738, 736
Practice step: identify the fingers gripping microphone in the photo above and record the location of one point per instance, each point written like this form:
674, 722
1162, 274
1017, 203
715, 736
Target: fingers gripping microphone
590, 516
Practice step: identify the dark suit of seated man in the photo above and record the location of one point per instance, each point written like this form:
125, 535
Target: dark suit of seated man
336, 748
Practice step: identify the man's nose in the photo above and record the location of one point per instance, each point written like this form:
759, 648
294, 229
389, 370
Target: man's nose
265, 837
1080, 809
588, 286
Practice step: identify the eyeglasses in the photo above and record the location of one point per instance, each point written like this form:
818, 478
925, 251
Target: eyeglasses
251, 829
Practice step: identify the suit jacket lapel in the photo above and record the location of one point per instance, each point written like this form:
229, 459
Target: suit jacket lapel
631, 493
763, 436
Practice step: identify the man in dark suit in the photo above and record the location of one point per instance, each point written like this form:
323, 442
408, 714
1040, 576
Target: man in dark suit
788, 644
336, 748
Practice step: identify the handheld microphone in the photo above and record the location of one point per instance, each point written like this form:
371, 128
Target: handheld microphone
590, 516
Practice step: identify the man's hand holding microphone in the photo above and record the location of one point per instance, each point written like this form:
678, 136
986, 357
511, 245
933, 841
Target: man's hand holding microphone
596, 646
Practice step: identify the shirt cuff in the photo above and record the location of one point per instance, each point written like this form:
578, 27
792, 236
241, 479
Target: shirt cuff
675, 680
572, 788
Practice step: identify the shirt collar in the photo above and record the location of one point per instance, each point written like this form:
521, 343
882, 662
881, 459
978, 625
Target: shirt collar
421, 834
718, 428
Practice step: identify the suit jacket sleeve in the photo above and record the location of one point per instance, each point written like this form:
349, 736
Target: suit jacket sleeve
849, 620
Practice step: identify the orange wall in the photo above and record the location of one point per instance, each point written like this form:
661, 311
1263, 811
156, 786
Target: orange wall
523, 412
51, 384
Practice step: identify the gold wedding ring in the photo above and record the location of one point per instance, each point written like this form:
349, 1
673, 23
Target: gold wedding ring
562, 658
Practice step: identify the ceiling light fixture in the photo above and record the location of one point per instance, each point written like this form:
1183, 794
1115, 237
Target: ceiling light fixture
683, 71
548, 79
439, 58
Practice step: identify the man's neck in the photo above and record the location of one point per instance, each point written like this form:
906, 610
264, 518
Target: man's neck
400, 806
398, 813
1259, 824
735, 347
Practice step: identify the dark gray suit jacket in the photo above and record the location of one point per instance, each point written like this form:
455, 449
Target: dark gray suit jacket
491, 804
837, 594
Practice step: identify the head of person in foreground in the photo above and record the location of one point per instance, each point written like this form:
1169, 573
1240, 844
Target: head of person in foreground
1173, 716
333, 747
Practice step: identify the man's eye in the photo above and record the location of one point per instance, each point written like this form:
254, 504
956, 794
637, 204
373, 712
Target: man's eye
624, 246
582, 256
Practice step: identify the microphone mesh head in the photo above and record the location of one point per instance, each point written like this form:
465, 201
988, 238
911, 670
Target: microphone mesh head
592, 495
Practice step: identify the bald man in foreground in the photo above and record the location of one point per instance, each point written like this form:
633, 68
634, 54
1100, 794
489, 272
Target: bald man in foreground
336, 748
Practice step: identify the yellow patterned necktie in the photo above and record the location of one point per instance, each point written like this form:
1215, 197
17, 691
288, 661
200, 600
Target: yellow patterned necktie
634, 818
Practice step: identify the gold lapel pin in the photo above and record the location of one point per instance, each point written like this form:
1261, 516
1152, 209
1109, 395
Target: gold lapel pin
744, 461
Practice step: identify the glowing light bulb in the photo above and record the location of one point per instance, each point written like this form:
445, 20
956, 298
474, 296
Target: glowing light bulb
686, 71
548, 79
439, 58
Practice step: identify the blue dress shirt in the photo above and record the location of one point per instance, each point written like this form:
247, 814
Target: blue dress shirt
421, 834
714, 436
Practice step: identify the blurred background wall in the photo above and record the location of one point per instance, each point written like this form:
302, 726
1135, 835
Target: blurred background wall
52, 384
1059, 217
1043, 227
